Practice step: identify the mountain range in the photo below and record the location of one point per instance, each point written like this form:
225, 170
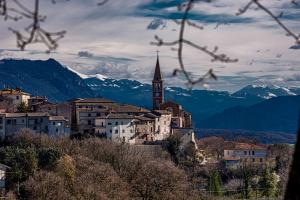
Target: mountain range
254, 107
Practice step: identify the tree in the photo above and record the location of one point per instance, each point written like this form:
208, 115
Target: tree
215, 183
23, 163
173, 144
66, 168
268, 183
22, 107
48, 157
247, 176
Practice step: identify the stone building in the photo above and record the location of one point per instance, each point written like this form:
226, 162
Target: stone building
85, 112
11, 123
14, 97
240, 154
180, 118
117, 127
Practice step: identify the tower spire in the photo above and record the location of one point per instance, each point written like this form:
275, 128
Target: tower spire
157, 73
157, 87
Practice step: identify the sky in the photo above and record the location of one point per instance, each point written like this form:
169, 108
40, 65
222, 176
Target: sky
114, 40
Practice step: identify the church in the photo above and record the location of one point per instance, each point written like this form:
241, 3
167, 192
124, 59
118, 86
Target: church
180, 118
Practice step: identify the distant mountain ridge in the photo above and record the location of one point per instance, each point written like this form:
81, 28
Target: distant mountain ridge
45, 78
276, 114
264, 91
245, 109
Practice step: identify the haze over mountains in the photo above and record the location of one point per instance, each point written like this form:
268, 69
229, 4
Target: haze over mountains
258, 108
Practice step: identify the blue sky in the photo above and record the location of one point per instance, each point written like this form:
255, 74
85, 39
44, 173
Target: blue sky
114, 40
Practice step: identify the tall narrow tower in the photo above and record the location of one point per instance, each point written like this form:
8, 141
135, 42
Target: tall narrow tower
157, 87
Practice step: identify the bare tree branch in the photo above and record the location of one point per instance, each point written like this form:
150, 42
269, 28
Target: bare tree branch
273, 16
181, 41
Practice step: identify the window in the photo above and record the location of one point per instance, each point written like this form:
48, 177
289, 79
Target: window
253, 153
1, 120
49, 108
98, 114
53, 123
89, 122
89, 114
99, 106
260, 160
17, 97
245, 152
123, 131
79, 106
41, 120
109, 123
102, 124
116, 123
165, 122
116, 131
34, 128
253, 159
110, 131
8, 121
121, 122
56, 130
131, 131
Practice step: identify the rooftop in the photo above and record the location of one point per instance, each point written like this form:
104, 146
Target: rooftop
57, 118
35, 114
246, 146
9, 91
93, 100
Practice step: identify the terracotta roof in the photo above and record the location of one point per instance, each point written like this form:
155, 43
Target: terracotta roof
246, 146
35, 114
8, 91
93, 100
143, 118
57, 118
162, 112
119, 116
120, 108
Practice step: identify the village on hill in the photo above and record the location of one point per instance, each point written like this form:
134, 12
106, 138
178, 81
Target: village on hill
127, 124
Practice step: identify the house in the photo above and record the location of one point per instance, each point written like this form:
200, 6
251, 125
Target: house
180, 118
162, 124
117, 127
37, 122
85, 112
240, 154
145, 128
58, 126
35, 101
55, 109
16, 95
3, 169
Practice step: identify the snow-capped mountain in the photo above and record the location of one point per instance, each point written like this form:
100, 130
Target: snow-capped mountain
264, 91
157, 24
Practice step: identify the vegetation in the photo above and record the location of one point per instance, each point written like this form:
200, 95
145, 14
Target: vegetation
22, 107
95, 168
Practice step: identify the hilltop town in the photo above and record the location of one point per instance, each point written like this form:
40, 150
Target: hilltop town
164, 127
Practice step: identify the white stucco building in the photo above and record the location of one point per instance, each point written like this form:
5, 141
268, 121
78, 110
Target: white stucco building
117, 127
17, 95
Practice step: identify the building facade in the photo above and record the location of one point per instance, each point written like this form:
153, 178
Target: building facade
117, 127
40, 123
241, 154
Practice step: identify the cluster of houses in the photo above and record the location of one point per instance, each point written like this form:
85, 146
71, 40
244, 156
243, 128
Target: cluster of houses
97, 116
112, 120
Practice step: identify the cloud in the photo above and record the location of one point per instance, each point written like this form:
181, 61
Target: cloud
85, 54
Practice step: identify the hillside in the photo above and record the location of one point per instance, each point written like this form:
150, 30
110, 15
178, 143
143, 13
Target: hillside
276, 114
44, 78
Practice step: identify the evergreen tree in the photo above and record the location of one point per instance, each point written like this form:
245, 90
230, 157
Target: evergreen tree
215, 183
268, 183
22, 107
247, 189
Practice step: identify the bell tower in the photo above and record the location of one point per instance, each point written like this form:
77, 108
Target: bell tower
157, 87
